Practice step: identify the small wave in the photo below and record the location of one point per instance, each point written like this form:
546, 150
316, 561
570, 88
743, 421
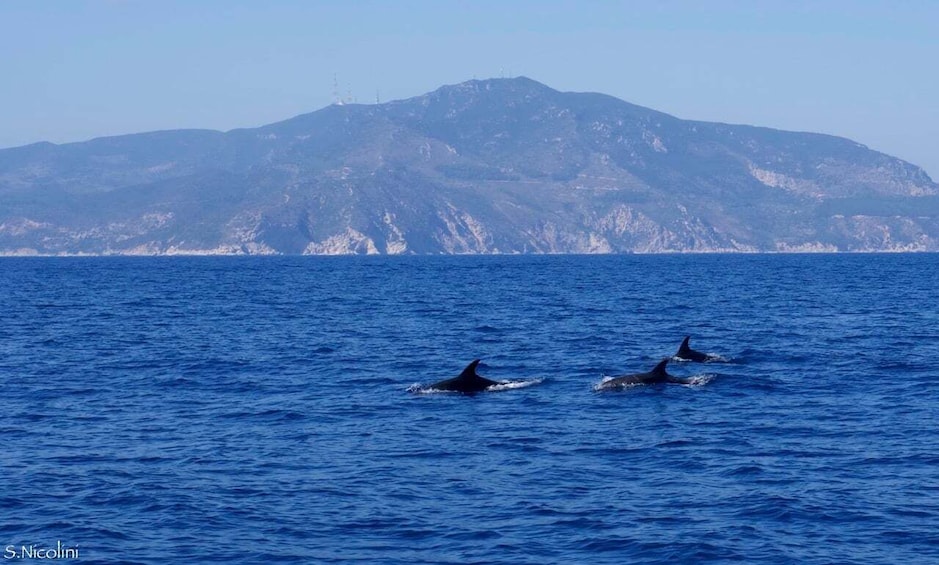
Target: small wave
511, 385
418, 388
699, 380
175, 381
746, 470
712, 358
715, 358
601, 386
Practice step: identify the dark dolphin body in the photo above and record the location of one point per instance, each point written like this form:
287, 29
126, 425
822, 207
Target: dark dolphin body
655, 376
685, 352
468, 382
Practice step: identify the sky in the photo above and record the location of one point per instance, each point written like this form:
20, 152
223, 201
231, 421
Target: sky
72, 70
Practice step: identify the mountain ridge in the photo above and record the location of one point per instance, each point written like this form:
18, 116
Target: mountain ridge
483, 166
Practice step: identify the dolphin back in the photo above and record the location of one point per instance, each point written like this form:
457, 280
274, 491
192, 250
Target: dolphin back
467, 381
685, 352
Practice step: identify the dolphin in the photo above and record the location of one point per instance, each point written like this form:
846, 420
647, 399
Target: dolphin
468, 382
655, 376
685, 352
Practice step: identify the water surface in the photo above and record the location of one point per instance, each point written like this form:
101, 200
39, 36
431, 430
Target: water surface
256, 410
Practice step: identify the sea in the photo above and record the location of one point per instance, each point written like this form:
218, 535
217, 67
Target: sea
279, 410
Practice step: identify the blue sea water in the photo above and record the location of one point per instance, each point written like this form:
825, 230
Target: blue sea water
261, 410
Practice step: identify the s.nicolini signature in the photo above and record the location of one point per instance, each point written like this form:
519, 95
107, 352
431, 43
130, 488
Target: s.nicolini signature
35, 551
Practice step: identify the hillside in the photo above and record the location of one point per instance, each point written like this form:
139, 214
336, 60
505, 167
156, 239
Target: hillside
491, 166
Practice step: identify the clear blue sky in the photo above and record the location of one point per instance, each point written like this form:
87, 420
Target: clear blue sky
71, 70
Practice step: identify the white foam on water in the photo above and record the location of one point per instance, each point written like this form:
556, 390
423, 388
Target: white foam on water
418, 388
715, 358
699, 380
601, 386
511, 385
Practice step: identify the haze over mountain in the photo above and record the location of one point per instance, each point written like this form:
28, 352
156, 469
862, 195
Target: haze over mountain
490, 166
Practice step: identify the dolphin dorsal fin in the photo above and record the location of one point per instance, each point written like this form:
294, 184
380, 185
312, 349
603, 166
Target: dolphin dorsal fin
684, 344
470, 371
660, 368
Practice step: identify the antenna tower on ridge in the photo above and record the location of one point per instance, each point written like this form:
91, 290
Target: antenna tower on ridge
336, 99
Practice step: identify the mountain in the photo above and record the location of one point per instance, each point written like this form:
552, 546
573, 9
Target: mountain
485, 166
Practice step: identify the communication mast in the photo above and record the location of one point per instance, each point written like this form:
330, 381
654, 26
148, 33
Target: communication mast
336, 99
